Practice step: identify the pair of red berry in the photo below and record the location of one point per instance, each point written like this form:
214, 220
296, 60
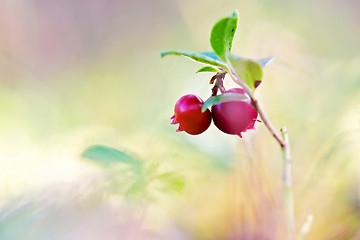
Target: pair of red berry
234, 117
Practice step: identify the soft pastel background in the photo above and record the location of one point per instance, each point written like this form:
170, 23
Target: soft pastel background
74, 73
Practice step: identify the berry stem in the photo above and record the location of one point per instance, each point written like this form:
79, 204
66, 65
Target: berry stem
220, 81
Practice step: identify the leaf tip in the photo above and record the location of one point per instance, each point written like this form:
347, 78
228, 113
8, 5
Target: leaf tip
265, 61
203, 108
208, 69
270, 59
235, 14
257, 83
163, 53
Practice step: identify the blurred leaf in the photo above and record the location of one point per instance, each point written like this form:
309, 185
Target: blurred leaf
172, 181
17, 222
225, 97
151, 169
208, 69
106, 156
249, 71
138, 187
204, 57
222, 35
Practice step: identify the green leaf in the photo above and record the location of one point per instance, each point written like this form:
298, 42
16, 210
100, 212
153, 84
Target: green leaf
225, 97
172, 181
212, 55
208, 69
249, 71
222, 35
204, 57
106, 156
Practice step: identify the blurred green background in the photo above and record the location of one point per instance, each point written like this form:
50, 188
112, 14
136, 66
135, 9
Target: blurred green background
84, 72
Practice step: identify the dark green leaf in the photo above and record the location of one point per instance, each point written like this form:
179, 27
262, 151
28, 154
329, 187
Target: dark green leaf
249, 71
107, 156
225, 97
208, 69
222, 35
198, 57
172, 181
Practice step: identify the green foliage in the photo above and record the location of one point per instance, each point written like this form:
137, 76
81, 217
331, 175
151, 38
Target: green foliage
249, 71
172, 181
138, 176
137, 188
107, 156
222, 35
198, 57
212, 55
225, 97
208, 69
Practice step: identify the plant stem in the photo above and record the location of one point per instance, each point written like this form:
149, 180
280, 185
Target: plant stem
285, 147
268, 123
287, 182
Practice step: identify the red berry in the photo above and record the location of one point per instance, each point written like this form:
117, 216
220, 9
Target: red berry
234, 117
188, 114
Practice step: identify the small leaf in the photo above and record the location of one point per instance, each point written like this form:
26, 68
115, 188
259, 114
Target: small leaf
225, 97
107, 156
249, 71
208, 69
204, 57
222, 35
172, 181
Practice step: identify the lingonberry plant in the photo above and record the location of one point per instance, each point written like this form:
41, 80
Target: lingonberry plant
236, 110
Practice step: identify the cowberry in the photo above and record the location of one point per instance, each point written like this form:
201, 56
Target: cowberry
189, 116
234, 117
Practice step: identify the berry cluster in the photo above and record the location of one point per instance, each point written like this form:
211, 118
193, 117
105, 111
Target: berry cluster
232, 117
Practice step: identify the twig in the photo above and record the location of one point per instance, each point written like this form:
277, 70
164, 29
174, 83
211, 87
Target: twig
219, 81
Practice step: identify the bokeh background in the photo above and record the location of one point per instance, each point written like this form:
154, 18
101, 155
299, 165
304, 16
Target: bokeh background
83, 72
